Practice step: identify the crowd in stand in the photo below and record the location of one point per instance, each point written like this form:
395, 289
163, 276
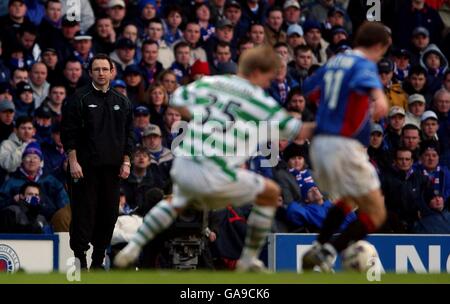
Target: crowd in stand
157, 46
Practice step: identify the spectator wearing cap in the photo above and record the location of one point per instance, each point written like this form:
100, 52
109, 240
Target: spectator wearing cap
309, 214
313, 38
416, 83
7, 111
13, 22
117, 11
435, 220
233, 12
181, 66
123, 55
50, 26
338, 38
39, 83
12, 148
282, 84
141, 178
5, 91
83, 51
64, 45
253, 12
416, 108
393, 90
401, 64
141, 120
403, 188
224, 32
146, 11
439, 175
49, 57
297, 159
161, 157
54, 196
396, 121
335, 18
292, 14
155, 32
436, 64
429, 126
135, 84
420, 41
294, 38
441, 106
120, 86
172, 22
413, 14
273, 26
43, 124
378, 154
24, 100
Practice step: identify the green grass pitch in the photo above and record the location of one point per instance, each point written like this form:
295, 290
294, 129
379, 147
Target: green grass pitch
217, 277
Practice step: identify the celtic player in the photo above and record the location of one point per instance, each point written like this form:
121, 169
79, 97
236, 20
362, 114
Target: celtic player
226, 114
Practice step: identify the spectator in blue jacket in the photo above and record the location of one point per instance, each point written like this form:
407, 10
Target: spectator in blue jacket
437, 219
311, 213
54, 196
282, 85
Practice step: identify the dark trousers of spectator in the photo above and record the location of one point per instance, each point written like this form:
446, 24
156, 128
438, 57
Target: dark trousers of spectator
95, 207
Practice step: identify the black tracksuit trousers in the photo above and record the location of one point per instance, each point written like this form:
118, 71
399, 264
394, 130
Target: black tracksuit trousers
95, 207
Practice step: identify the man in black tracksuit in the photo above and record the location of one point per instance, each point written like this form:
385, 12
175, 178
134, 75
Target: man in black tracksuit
97, 134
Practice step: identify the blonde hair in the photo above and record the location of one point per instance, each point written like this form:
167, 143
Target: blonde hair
261, 58
154, 87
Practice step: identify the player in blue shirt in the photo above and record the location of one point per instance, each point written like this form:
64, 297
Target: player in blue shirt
351, 95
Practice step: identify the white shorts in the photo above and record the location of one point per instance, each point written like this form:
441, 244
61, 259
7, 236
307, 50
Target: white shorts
341, 167
205, 184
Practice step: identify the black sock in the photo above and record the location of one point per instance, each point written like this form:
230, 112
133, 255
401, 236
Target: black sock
356, 231
97, 259
333, 221
81, 256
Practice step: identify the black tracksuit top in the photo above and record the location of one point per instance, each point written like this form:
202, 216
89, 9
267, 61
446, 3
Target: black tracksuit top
98, 125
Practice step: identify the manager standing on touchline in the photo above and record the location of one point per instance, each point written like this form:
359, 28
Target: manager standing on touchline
97, 134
